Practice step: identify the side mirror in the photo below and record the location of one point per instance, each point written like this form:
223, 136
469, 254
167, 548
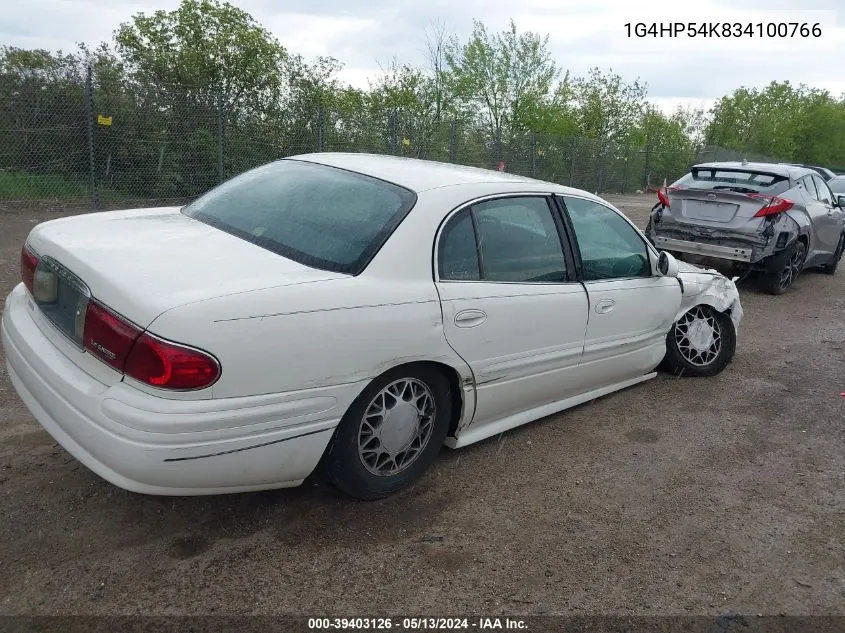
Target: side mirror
667, 265
840, 201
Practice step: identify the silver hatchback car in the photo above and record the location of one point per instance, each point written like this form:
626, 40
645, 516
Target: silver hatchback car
771, 219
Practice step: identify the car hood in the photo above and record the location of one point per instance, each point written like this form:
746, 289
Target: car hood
705, 285
143, 262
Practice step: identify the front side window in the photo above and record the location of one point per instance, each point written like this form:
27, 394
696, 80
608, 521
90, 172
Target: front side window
511, 240
610, 247
837, 185
319, 216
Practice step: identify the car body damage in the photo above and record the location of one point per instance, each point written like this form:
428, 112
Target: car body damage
752, 245
707, 286
770, 220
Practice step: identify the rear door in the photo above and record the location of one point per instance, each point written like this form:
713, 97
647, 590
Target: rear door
512, 307
630, 308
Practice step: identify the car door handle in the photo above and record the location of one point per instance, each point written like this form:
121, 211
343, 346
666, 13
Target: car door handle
605, 305
470, 318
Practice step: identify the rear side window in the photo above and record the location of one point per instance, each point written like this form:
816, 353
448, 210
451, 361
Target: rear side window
740, 180
810, 186
319, 216
824, 192
519, 241
510, 240
457, 252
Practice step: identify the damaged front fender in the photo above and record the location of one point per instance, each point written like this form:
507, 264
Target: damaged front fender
709, 287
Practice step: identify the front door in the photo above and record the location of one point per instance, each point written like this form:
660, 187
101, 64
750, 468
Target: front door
631, 309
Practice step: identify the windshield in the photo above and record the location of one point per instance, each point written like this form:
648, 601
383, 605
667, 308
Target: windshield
837, 185
739, 180
319, 216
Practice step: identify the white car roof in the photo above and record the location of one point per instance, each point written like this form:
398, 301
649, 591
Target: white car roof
421, 175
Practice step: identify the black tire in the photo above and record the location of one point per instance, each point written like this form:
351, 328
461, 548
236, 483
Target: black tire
792, 263
676, 361
830, 269
343, 463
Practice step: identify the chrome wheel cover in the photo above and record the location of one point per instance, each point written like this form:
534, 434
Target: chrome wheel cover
698, 335
396, 427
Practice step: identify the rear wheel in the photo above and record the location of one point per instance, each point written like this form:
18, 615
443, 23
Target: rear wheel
701, 343
830, 269
781, 280
391, 434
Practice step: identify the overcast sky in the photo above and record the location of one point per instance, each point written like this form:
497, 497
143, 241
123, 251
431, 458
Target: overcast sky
364, 33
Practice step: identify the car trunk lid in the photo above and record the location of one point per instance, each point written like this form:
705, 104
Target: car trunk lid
143, 262
722, 208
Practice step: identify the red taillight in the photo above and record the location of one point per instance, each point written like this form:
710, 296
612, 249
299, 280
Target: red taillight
170, 366
29, 262
772, 205
107, 336
663, 194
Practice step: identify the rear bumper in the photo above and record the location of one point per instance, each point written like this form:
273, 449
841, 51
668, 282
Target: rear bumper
154, 445
731, 253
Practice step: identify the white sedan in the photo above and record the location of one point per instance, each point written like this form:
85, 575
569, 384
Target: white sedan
350, 311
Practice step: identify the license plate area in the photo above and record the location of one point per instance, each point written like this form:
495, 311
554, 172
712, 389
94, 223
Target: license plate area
710, 211
62, 298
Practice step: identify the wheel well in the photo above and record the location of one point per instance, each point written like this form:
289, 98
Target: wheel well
453, 378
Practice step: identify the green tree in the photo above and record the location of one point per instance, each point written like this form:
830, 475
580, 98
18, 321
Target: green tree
607, 106
502, 77
204, 44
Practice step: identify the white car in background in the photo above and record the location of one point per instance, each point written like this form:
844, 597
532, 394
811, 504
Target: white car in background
347, 310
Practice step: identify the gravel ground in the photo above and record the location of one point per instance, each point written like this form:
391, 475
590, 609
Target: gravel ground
678, 496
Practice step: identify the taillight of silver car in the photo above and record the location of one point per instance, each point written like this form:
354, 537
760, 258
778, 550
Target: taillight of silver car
663, 194
130, 349
772, 205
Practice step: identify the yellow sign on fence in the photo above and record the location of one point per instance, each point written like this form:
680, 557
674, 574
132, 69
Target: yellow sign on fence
103, 120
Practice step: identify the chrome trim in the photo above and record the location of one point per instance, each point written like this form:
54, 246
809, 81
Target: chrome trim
72, 280
62, 271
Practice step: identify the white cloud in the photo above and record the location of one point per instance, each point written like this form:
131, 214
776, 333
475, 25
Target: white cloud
313, 35
582, 35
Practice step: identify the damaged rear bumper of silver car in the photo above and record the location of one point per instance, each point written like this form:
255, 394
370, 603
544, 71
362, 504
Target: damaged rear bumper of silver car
731, 253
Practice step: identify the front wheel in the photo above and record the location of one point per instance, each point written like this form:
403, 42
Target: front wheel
391, 434
701, 343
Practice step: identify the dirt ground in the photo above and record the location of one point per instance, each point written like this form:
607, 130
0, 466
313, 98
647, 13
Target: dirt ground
678, 496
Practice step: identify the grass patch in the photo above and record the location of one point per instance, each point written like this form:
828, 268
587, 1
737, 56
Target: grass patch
21, 186
15, 185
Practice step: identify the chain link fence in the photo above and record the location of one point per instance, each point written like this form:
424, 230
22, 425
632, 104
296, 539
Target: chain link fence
81, 142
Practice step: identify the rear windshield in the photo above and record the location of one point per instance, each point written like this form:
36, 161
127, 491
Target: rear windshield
743, 181
319, 216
